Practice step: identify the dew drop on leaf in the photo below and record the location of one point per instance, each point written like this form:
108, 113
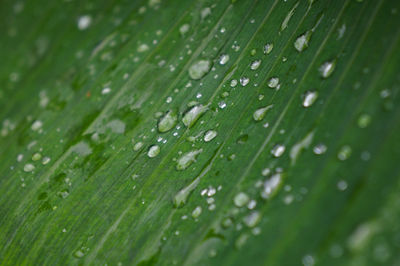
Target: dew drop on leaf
187, 159
309, 98
199, 69
344, 153
168, 121
241, 199
196, 212
223, 59
191, 116
301, 42
29, 167
260, 113
268, 48
278, 150
252, 219
244, 81
153, 151
255, 64
210, 135
327, 68
271, 185
273, 82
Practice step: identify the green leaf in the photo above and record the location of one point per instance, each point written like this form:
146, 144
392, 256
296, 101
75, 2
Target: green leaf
202, 132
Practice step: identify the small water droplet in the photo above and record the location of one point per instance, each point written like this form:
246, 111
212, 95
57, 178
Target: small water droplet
319, 149
168, 121
199, 69
252, 219
260, 113
184, 29
196, 212
223, 59
244, 81
37, 125
255, 64
342, 185
309, 98
143, 48
364, 120
273, 82
234, 82
268, 48
344, 153
271, 185
137, 146
153, 151
210, 135
84, 22
36, 156
278, 150
241, 199
29, 167
327, 68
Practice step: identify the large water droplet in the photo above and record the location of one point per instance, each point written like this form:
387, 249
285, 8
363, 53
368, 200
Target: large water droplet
199, 69
260, 113
191, 116
187, 159
153, 151
168, 121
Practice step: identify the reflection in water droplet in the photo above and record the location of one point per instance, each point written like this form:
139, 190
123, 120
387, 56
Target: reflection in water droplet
301, 42
319, 149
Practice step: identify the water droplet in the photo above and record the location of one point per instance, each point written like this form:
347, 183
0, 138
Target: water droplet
342, 185
252, 219
241, 199
210, 135
168, 121
196, 212
364, 120
234, 82
84, 22
260, 113
244, 81
184, 29
191, 116
309, 98
301, 145
154, 150
268, 48
36, 125
199, 69
137, 146
285, 22
187, 159
143, 48
223, 59
278, 150
29, 167
344, 153
301, 42
327, 68
255, 64
273, 82
308, 260
242, 139
105, 91
271, 185
36, 157
319, 149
